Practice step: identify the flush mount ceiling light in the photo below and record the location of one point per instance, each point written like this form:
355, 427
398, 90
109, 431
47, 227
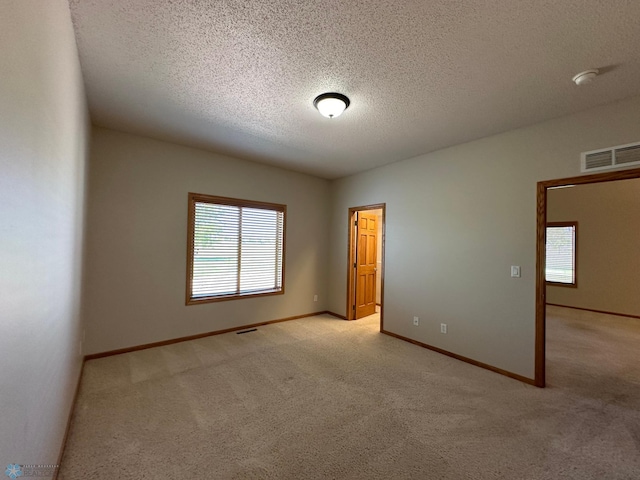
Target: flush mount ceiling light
331, 105
585, 77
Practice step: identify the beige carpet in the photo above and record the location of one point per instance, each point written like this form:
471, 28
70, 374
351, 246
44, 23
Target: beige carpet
321, 398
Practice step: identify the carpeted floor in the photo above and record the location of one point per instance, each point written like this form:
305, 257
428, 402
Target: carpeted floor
321, 398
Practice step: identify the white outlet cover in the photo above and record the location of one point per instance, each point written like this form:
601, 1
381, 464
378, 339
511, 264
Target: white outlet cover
515, 271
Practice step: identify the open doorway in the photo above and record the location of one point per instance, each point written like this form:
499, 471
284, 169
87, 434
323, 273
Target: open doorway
365, 262
541, 253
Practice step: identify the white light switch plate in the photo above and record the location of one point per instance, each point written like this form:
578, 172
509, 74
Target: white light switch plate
515, 271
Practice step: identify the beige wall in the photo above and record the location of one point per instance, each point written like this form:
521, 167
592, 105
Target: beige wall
137, 233
43, 143
608, 216
457, 219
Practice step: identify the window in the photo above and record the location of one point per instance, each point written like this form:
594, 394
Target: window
235, 249
561, 253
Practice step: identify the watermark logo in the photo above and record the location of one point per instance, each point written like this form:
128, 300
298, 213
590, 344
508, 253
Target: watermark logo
13, 471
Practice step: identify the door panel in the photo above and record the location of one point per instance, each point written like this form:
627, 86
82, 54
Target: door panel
366, 263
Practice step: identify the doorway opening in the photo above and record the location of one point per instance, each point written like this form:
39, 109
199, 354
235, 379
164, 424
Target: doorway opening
541, 261
365, 262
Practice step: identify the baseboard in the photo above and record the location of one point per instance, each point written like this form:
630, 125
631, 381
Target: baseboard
69, 418
595, 311
342, 317
197, 336
506, 373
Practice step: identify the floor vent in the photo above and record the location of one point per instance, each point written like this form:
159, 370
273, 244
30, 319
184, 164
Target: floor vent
246, 331
610, 158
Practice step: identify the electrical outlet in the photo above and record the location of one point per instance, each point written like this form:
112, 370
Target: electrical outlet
443, 328
416, 321
315, 298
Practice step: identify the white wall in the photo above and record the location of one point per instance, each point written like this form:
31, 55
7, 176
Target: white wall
608, 216
43, 144
137, 240
457, 219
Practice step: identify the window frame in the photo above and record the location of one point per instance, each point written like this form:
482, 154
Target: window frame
202, 198
573, 224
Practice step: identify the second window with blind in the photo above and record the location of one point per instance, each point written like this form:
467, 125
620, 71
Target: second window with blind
561, 254
235, 249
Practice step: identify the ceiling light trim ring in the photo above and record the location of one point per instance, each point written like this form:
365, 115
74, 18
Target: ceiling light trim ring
334, 96
585, 77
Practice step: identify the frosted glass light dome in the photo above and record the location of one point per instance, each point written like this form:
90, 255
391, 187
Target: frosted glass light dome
331, 105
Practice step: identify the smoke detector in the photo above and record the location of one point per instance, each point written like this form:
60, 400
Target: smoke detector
585, 77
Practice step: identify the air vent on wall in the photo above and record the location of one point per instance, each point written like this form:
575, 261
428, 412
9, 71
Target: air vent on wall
609, 158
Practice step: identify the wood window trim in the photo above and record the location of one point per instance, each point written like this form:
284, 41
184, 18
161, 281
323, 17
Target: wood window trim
574, 284
236, 202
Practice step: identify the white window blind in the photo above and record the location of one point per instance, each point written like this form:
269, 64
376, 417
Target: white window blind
561, 254
236, 250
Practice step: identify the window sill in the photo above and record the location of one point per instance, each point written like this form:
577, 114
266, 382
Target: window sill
560, 284
235, 296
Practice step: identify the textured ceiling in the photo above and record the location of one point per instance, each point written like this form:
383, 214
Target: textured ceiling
239, 76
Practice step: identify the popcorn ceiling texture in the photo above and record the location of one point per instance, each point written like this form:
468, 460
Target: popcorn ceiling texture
239, 76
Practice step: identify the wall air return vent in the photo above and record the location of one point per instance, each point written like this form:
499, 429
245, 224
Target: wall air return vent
610, 158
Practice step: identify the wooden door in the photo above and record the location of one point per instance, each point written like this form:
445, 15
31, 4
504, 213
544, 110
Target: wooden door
366, 263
